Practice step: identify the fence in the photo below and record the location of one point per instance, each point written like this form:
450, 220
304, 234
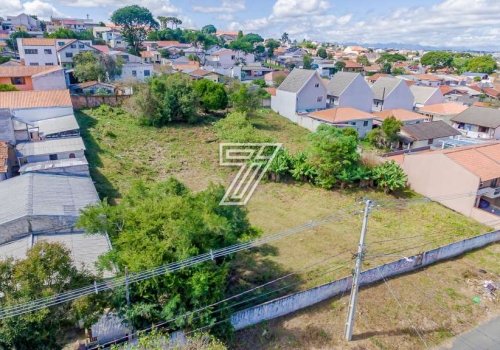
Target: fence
85, 101
297, 301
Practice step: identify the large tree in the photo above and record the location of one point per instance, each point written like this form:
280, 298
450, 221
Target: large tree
482, 64
92, 66
307, 61
136, 21
209, 29
244, 99
47, 270
437, 59
165, 222
212, 95
321, 52
272, 45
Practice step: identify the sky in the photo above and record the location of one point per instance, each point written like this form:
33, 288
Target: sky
473, 24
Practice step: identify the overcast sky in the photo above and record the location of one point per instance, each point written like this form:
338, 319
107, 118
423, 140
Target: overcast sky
464, 23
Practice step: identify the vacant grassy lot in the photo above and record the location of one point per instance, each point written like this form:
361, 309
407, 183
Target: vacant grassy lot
120, 151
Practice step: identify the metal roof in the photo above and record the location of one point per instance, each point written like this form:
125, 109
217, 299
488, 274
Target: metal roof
296, 80
38, 148
384, 86
53, 164
430, 130
57, 125
340, 82
45, 194
85, 248
487, 117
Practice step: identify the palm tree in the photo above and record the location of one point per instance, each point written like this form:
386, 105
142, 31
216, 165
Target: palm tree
285, 38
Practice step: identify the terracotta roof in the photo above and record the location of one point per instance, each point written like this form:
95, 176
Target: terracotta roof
375, 76
341, 114
444, 108
427, 77
191, 66
35, 99
218, 53
3, 43
102, 48
147, 54
352, 64
409, 82
38, 42
480, 104
400, 114
371, 68
164, 43
226, 32
271, 90
87, 84
445, 89
4, 36
24, 71
482, 160
202, 72
4, 155
272, 75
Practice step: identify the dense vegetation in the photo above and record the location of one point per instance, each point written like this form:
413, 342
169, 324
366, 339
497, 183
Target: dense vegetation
91, 66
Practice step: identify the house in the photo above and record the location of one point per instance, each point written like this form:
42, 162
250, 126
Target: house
42, 129
428, 80
24, 22
356, 50
372, 69
205, 74
254, 70
425, 96
43, 202
442, 111
270, 77
473, 76
391, 93
66, 52
450, 92
228, 58
92, 88
228, 36
8, 160
351, 66
404, 116
50, 149
414, 136
151, 56
464, 179
37, 52
33, 77
302, 90
478, 122
135, 72
68, 166
489, 90
347, 89
372, 79
342, 117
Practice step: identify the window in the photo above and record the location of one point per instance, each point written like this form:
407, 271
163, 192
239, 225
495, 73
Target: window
81, 46
118, 42
316, 85
319, 99
31, 51
147, 73
483, 129
430, 141
47, 51
60, 43
365, 123
73, 46
34, 64
17, 81
53, 156
72, 155
352, 123
49, 64
134, 73
233, 57
69, 54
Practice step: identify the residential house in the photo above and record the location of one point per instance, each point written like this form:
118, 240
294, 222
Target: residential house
92, 88
228, 58
66, 52
426, 95
491, 91
442, 111
302, 90
415, 136
135, 72
50, 149
205, 74
68, 166
33, 77
391, 93
478, 122
151, 56
450, 93
325, 68
428, 80
371, 69
254, 71
351, 66
37, 52
372, 79
43, 203
404, 116
270, 77
357, 50
8, 160
347, 89
228, 36
465, 179
74, 24
341, 117
24, 22
473, 76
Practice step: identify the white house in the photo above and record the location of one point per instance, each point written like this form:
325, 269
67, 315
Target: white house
23, 21
426, 95
391, 93
37, 52
228, 58
348, 89
341, 117
478, 122
72, 48
425, 134
135, 72
302, 91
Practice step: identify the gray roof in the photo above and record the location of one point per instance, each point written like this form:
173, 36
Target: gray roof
53, 164
487, 117
473, 74
57, 125
296, 80
386, 83
84, 248
430, 130
44, 194
53, 146
422, 93
340, 82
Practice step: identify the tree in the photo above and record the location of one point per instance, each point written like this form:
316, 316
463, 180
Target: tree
236, 127
391, 58
437, 59
90, 66
212, 95
164, 53
163, 22
252, 38
278, 79
259, 49
389, 176
47, 270
12, 41
331, 150
482, 64
460, 63
244, 100
136, 22
241, 45
259, 82
7, 87
321, 53
62, 33
272, 45
164, 222
209, 29
284, 38
386, 68
391, 127
158, 341
362, 59
339, 66
307, 61
240, 34
398, 71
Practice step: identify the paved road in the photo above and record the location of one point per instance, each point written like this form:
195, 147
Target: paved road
486, 336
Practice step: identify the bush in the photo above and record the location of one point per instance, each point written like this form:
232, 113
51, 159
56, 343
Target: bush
237, 128
212, 95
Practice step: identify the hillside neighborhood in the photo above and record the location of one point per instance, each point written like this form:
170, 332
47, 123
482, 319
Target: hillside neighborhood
112, 231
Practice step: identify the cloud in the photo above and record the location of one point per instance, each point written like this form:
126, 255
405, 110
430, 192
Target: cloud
226, 6
43, 10
225, 17
299, 8
11, 6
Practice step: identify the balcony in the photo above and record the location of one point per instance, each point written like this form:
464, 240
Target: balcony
489, 192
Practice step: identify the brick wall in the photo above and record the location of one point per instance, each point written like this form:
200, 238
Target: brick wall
84, 101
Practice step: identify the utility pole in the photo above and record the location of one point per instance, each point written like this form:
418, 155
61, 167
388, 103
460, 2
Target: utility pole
127, 292
357, 272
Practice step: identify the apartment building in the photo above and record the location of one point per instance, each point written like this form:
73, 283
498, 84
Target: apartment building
37, 51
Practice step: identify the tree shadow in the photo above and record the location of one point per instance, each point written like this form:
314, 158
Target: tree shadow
409, 331
93, 152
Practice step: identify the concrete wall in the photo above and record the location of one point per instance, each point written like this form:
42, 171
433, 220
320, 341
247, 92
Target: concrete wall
400, 97
6, 127
300, 300
140, 72
84, 101
285, 104
357, 95
60, 155
486, 218
36, 114
307, 97
55, 80
435, 175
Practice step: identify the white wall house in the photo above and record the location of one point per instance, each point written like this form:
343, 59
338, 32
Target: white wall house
348, 89
340, 117
302, 91
37, 52
24, 21
135, 72
228, 58
391, 93
478, 122
426, 95
72, 48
